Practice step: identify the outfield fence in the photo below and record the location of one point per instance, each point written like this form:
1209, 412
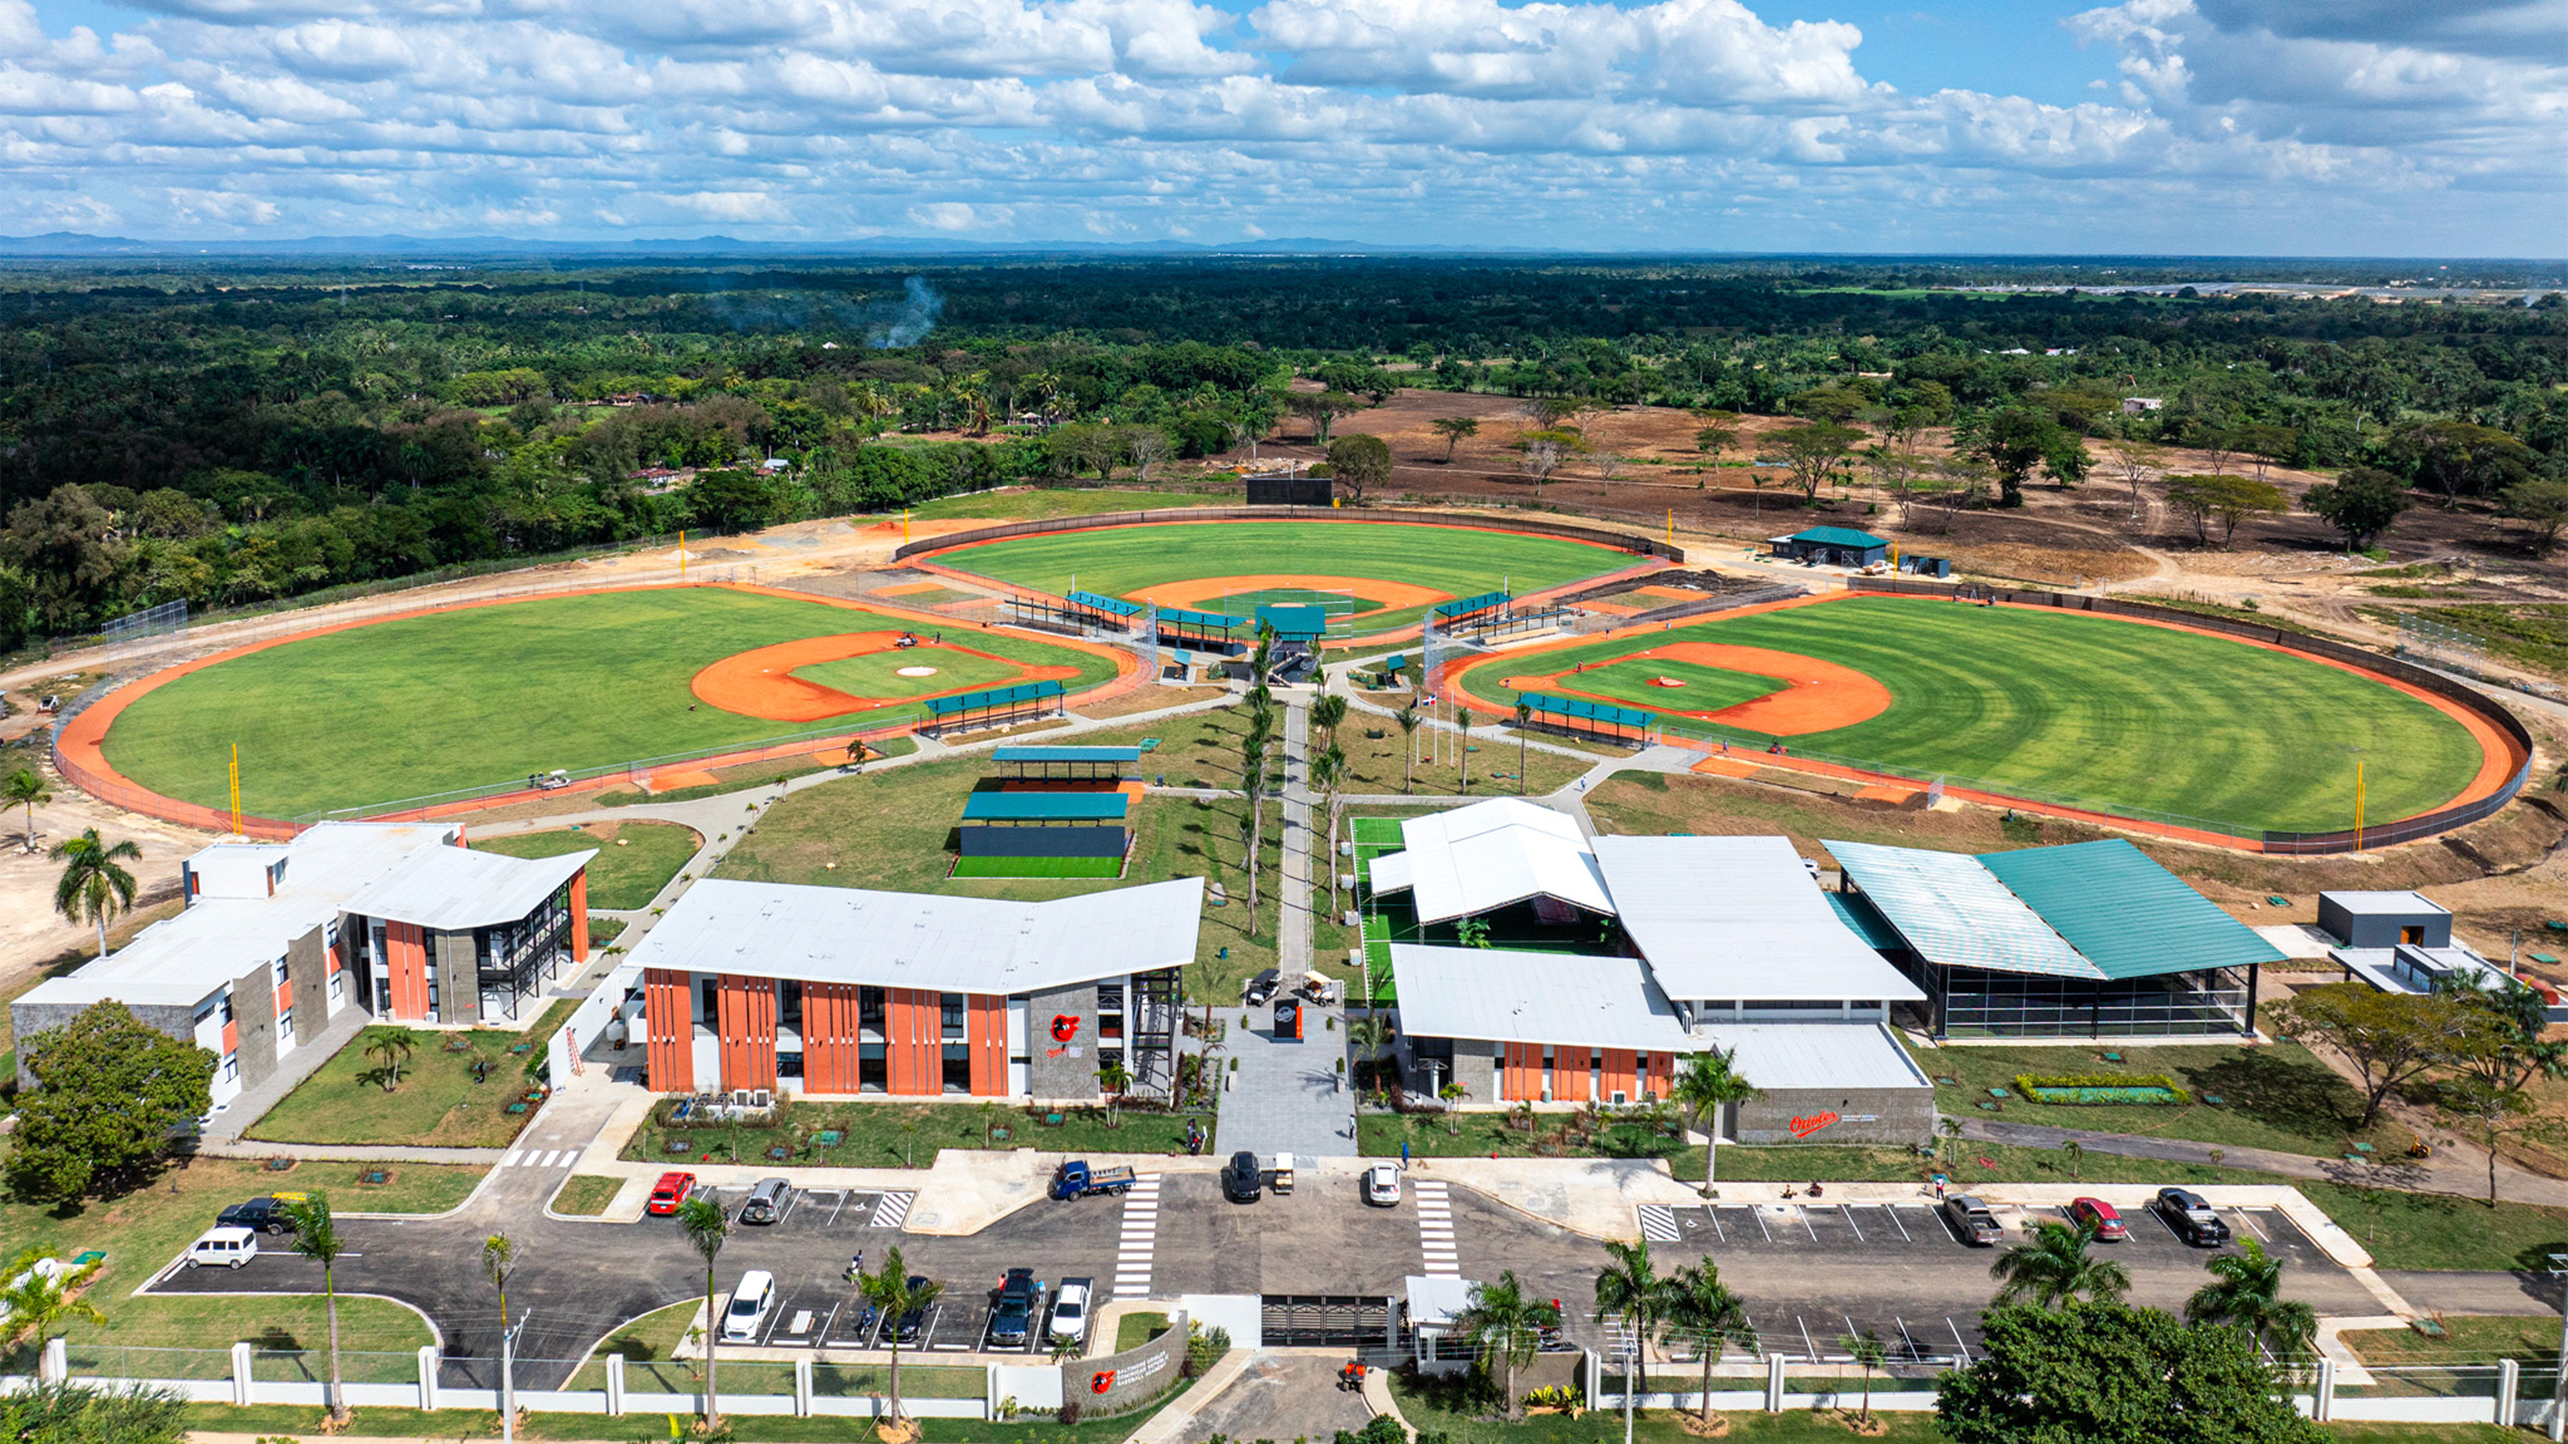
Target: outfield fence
1620, 541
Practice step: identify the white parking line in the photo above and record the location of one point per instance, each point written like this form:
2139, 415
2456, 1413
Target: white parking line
1658, 1224
2245, 1217
1848, 1213
1895, 1223
891, 1208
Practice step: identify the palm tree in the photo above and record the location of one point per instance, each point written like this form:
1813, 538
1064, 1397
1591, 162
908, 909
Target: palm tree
1508, 1328
1462, 719
1327, 771
1698, 1303
394, 1046
1631, 1287
1328, 713
23, 788
2246, 1292
1453, 1094
41, 1299
316, 1237
892, 1295
1114, 1079
1252, 786
1709, 1084
1407, 717
708, 1227
93, 887
1368, 1036
499, 1260
1524, 720
2075, 1153
2054, 1269
1867, 1349
1950, 1130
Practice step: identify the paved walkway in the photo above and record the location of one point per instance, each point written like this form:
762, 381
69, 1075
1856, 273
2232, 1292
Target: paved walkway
2465, 1177
1285, 1096
1293, 908
1275, 1394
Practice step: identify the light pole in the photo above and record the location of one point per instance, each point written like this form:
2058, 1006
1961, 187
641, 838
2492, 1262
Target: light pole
1631, 1368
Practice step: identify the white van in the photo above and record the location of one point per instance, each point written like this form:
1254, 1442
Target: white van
749, 1305
228, 1247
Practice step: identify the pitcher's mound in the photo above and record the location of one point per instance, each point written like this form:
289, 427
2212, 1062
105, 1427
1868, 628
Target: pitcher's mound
1667, 681
915, 672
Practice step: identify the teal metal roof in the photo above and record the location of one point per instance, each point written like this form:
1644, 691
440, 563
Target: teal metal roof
1867, 924
1067, 754
1111, 606
1294, 620
1193, 621
1046, 807
1544, 702
1468, 605
1839, 536
1953, 911
994, 697
2132, 917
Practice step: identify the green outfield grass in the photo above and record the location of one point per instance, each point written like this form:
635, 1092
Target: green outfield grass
1127, 561
877, 674
1706, 689
1038, 867
2118, 713
478, 696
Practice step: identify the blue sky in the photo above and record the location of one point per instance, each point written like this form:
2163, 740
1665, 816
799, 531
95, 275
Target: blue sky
2372, 127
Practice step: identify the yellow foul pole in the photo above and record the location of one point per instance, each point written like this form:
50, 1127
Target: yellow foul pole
236, 791
682, 556
2358, 806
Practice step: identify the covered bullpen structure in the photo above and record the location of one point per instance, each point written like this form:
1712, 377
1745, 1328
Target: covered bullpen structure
1582, 717
1088, 766
1044, 834
997, 706
2089, 940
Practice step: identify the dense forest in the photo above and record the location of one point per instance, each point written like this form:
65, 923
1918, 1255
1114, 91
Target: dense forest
228, 435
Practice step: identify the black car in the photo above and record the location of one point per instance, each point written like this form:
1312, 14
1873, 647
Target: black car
2190, 1215
265, 1215
906, 1328
1241, 1181
1012, 1318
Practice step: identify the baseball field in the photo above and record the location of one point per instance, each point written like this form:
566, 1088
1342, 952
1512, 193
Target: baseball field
1392, 571
2135, 717
433, 702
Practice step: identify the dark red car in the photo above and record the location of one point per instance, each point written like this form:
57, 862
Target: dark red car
2097, 1214
670, 1191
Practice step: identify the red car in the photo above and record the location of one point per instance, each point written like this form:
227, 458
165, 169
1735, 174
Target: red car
670, 1191
2097, 1214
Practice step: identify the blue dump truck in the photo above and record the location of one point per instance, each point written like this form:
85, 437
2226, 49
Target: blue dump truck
1077, 1180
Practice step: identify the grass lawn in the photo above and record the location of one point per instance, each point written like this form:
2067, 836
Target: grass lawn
2532, 1341
1127, 561
1136, 1329
1636, 682
2435, 1231
145, 1229
586, 1194
436, 1104
2090, 707
1483, 1134
895, 829
478, 696
878, 674
908, 1135
1801, 1162
634, 859
2275, 1096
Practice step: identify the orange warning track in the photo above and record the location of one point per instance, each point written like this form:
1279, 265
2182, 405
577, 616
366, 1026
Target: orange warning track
1823, 695
80, 754
1194, 592
759, 683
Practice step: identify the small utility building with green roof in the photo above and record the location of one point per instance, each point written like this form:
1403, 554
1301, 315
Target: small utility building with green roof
2090, 940
1837, 546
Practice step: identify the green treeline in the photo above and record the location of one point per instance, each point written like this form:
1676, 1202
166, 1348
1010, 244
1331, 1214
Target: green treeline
227, 435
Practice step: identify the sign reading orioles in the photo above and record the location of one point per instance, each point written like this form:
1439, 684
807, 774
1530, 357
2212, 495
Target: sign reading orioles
1064, 1027
1101, 1381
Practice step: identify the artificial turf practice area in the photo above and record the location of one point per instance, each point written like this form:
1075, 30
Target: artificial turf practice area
1131, 561
2125, 716
482, 695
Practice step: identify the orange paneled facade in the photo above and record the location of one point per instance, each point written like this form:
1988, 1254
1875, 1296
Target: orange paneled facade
985, 1029
667, 1015
1520, 1073
747, 1027
579, 916
1621, 1076
913, 1035
830, 1037
405, 947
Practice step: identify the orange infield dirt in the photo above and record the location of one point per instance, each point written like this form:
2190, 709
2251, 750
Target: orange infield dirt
760, 683
1194, 592
80, 752
1822, 695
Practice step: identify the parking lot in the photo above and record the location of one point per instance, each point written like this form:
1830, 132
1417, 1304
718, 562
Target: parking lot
1813, 1273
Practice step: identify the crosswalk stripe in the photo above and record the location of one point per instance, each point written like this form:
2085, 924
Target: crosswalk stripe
511, 1160
891, 1209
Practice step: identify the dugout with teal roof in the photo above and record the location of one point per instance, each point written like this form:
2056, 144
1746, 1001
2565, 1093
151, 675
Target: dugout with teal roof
2089, 940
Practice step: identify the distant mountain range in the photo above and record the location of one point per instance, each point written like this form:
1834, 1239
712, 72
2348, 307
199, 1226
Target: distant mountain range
72, 244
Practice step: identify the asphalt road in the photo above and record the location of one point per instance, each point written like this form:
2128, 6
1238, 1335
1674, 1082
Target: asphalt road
1809, 1274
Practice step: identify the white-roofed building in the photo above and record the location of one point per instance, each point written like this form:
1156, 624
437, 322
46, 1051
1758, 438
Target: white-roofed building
397, 919
843, 992
1491, 855
1714, 944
